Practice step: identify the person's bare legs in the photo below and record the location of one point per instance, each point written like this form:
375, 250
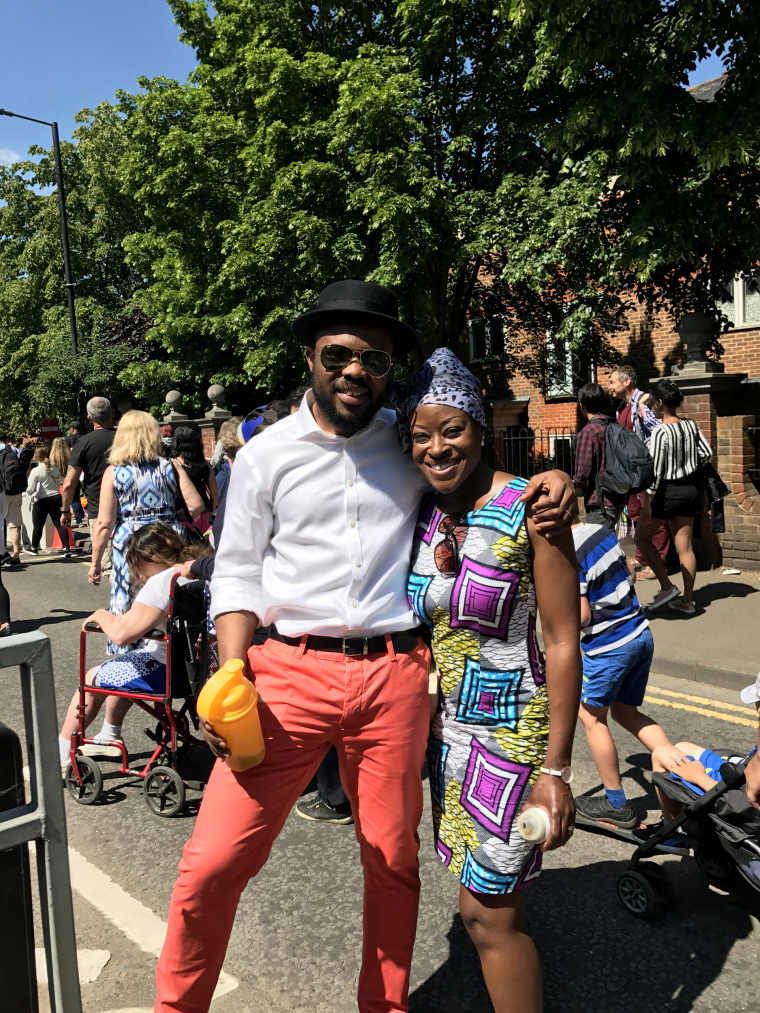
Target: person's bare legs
661, 764
683, 531
646, 529
601, 744
92, 704
14, 537
644, 728
508, 956
116, 710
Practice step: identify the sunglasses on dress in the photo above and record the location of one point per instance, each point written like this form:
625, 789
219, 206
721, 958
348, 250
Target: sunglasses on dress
446, 553
336, 357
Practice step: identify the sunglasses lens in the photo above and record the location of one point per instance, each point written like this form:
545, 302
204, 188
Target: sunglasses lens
336, 356
376, 363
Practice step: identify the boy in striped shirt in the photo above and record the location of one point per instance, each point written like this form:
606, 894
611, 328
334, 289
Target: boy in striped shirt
617, 653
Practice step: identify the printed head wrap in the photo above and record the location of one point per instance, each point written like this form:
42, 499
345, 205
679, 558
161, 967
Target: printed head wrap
443, 380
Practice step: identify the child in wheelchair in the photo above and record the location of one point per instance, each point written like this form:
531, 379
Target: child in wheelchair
154, 552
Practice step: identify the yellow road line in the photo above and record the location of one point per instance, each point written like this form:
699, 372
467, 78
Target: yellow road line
702, 699
701, 710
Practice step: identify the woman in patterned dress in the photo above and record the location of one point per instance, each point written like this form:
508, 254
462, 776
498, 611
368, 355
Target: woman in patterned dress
479, 571
138, 487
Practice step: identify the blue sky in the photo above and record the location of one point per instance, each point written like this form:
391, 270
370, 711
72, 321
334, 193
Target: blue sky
59, 56
62, 55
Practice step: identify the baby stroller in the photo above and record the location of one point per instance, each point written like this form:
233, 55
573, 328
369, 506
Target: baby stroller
721, 827
187, 656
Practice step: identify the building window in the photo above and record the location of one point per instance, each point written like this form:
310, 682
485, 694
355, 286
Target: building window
487, 337
742, 302
566, 370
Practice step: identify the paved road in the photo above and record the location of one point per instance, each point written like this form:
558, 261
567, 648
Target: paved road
296, 940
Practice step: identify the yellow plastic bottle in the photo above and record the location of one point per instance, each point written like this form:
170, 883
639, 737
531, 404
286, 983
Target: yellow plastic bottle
229, 702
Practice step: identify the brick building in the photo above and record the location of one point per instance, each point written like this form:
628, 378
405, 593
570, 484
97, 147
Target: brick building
724, 400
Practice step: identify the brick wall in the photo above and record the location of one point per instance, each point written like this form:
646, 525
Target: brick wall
734, 457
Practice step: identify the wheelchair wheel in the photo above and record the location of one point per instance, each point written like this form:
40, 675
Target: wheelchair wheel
164, 791
88, 792
638, 894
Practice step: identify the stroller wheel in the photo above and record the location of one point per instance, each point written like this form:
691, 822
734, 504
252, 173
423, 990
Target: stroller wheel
716, 867
164, 791
88, 792
656, 876
638, 894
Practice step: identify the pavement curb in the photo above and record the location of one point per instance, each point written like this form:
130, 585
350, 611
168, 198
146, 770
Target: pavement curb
694, 672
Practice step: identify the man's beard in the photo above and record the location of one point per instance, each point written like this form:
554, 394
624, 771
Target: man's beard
324, 397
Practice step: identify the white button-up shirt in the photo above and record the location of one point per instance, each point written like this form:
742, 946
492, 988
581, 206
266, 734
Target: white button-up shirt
318, 529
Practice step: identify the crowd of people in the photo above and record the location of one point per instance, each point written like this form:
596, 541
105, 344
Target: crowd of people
385, 586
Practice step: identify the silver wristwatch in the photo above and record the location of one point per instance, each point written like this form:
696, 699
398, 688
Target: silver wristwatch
566, 773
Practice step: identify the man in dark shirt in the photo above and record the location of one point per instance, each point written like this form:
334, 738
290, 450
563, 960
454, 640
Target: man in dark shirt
89, 460
590, 457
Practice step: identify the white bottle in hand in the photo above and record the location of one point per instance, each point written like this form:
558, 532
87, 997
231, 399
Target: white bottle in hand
534, 824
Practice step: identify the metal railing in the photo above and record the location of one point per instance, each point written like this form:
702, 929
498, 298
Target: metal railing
525, 452
43, 818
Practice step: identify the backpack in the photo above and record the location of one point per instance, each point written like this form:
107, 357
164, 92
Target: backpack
12, 473
628, 464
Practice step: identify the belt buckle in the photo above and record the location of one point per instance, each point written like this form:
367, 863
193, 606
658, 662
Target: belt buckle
349, 652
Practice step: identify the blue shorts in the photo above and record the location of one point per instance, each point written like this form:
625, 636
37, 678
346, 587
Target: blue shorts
712, 763
620, 675
137, 670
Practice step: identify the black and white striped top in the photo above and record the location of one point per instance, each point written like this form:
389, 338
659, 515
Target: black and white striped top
677, 449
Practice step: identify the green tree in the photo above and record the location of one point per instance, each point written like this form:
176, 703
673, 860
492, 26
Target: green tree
680, 216
38, 375
394, 142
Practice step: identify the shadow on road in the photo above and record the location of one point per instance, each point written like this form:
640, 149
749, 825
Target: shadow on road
65, 616
596, 956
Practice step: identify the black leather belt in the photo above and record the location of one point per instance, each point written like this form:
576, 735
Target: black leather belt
402, 642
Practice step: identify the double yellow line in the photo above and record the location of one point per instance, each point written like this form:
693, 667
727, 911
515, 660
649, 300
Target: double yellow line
712, 709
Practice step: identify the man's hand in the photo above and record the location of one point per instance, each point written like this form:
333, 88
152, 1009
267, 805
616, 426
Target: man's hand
552, 503
217, 745
94, 575
66, 519
183, 569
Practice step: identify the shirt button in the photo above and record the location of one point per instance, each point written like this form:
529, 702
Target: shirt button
350, 481
353, 604
357, 563
352, 524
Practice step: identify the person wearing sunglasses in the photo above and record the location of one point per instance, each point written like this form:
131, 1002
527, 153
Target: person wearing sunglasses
320, 515
480, 572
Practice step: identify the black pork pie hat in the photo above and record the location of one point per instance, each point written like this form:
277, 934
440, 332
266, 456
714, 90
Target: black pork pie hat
357, 302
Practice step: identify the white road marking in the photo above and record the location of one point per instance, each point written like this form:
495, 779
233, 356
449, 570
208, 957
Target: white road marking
138, 923
90, 963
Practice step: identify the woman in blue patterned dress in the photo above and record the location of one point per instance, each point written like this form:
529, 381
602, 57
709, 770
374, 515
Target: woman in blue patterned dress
139, 487
479, 571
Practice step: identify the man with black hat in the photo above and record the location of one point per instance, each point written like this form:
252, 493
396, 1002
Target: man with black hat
321, 510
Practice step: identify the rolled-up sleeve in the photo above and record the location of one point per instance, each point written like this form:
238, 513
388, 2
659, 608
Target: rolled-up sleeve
236, 585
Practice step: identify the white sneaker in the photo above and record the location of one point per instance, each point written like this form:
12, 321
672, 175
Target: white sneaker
102, 747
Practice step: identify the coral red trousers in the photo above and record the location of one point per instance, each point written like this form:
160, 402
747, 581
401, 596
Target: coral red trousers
375, 709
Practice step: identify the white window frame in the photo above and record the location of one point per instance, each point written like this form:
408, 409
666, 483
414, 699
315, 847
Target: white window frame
487, 323
562, 438
556, 386
735, 307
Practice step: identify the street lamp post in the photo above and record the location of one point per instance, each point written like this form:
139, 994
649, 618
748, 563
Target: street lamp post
69, 284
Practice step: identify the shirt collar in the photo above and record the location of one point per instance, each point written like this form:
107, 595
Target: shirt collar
307, 427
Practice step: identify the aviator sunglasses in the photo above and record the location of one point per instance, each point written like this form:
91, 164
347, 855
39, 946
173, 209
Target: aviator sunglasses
337, 357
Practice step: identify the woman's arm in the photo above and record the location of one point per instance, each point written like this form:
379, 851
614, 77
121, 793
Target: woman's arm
129, 626
213, 488
555, 572
190, 494
104, 525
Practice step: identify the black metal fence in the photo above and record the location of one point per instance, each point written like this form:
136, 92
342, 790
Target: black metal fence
525, 452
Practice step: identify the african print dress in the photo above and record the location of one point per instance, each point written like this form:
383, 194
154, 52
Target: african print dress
472, 582
145, 492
